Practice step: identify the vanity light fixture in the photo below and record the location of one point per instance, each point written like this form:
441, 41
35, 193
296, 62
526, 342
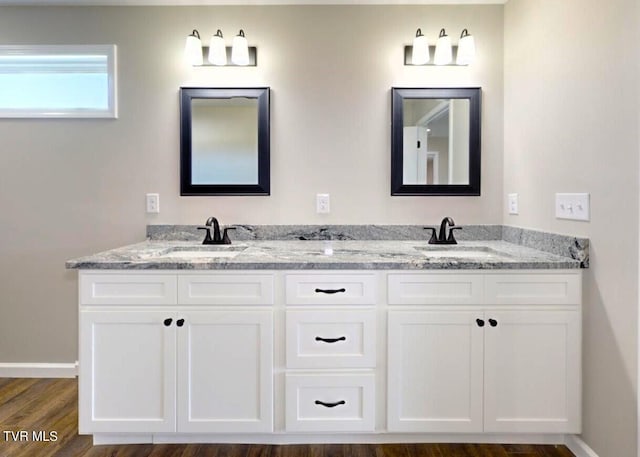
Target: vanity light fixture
240, 54
445, 53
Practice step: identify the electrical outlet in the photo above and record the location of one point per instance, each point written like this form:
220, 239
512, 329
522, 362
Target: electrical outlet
322, 203
153, 203
573, 206
513, 203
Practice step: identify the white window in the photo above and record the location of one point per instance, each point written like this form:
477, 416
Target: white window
58, 81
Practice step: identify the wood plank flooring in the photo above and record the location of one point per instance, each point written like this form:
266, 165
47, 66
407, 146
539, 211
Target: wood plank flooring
49, 405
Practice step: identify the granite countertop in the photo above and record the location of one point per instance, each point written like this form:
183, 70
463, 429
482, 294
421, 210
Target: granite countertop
347, 254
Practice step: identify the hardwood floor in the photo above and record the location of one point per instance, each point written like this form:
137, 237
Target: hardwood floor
50, 405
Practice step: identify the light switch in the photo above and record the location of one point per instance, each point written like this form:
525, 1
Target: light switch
513, 203
573, 206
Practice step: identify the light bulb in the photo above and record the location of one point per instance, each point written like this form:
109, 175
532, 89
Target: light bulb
443, 54
420, 53
240, 49
466, 49
217, 49
193, 49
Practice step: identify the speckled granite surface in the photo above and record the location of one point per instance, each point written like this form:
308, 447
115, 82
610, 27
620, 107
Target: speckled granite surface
346, 254
322, 232
562, 245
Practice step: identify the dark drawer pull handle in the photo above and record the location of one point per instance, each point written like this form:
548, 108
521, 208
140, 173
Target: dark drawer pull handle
331, 340
330, 291
167, 322
480, 322
180, 322
330, 405
493, 322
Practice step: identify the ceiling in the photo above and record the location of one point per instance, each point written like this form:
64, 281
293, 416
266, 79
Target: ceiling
244, 2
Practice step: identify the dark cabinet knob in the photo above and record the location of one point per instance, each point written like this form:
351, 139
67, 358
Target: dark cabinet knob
180, 322
493, 322
167, 322
480, 322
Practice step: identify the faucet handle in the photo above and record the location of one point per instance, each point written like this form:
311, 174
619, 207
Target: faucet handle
433, 238
225, 235
450, 238
207, 237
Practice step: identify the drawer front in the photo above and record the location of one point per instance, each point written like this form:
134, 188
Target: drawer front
128, 289
330, 289
533, 289
435, 289
330, 403
331, 339
225, 289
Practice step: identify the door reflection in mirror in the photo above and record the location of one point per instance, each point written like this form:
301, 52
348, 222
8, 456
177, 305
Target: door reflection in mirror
435, 141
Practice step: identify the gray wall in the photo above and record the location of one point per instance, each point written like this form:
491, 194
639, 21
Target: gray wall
74, 187
571, 125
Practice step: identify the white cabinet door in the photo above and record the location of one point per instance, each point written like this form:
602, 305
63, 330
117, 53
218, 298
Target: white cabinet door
532, 371
225, 371
435, 371
127, 371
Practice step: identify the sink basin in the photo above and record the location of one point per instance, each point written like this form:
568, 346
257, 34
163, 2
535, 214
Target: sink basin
468, 253
202, 252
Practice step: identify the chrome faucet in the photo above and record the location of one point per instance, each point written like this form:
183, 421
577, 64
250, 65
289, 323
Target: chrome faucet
442, 237
217, 238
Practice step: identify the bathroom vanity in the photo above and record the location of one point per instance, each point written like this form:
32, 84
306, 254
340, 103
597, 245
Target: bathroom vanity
278, 342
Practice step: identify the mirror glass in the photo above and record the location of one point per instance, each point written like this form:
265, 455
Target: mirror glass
224, 141
435, 141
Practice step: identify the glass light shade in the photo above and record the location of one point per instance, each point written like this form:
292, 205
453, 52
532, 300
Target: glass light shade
443, 54
217, 50
420, 53
240, 50
466, 49
193, 49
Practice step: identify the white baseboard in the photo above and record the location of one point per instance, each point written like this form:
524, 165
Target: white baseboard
38, 370
579, 447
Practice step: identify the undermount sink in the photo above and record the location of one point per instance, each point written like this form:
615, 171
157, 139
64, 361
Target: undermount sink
202, 252
458, 252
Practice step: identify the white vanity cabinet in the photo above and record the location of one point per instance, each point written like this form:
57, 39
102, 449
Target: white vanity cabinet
323, 355
153, 360
505, 359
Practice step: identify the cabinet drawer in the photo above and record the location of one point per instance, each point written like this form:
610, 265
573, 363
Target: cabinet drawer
127, 289
331, 339
435, 289
533, 289
330, 403
329, 289
225, 289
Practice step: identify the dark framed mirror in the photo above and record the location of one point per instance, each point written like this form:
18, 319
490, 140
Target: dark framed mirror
435, 141
224, 141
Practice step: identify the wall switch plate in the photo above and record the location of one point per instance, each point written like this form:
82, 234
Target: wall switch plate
513, 203
573, 206
153, 203
322, 203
